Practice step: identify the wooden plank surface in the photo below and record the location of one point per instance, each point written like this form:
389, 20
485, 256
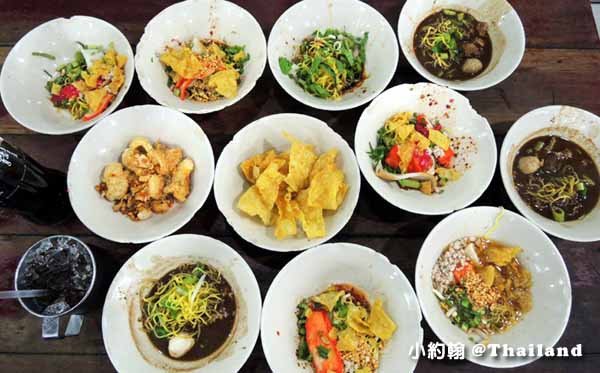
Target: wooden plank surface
560, 66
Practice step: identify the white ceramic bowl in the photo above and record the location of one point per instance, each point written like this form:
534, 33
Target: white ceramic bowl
155, 260
551, 288
339, 263
462, 120
265, 134
353, 16
578, 125
506, 32
23, 80
105, 144
215, 19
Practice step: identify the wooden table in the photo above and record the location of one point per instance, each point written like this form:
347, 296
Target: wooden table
561, 66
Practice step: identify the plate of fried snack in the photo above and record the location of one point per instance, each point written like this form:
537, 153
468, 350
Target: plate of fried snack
287, 182
142, 175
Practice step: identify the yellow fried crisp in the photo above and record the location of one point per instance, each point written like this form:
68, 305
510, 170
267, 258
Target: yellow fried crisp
252, 204
268, 184
293, 187
302, 159
380, 323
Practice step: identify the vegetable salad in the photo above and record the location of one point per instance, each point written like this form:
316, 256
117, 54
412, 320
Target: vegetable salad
415, 151
87, 87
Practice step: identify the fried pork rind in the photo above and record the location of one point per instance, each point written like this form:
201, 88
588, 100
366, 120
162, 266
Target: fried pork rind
179, 186
380, 323
115, 178
148, 180
297, 184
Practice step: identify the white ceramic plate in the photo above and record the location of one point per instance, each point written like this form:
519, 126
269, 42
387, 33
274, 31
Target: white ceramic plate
214, 19
562, 121
551, 288
353, 16
23, 80
462, 120
157, 259
265, 134
312, 272
105, 144
506, 32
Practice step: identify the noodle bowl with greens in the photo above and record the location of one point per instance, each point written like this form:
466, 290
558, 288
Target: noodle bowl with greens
190, 312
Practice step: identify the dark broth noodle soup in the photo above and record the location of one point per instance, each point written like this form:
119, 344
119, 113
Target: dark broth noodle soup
190, 313
453, 45
556, 177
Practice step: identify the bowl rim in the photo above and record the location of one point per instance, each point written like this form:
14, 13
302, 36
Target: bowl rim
85, 125
419, 288
522, 207
253, 284
367, 251
416, 209
222, 105
457, 85
324, 104
150, 236
257, 123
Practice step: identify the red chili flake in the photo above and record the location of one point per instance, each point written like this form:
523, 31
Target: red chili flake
278, 334
451, 100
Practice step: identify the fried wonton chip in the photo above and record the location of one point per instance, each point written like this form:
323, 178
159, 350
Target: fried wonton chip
327, 189
288, 212
328, 299
380, 323
254, 166
501, 255
325, 161
302, 159
252, 204
268, 184
357, 319
312, 219
348, 340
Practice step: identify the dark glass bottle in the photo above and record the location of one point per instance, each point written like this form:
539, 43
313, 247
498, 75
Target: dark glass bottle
32, 190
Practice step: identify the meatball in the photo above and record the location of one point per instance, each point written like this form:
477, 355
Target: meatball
529, 164
472, 66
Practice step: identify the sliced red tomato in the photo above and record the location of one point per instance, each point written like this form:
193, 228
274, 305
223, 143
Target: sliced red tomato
393, 159
420, 162
446, 159
66, 93
323, 348
461, 271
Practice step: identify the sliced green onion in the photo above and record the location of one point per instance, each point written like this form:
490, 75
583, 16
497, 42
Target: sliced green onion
449, 12
45, 55
409, 183
558, 214
539, 145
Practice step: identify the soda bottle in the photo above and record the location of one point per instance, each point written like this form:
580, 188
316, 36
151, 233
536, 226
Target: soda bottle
30, 189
